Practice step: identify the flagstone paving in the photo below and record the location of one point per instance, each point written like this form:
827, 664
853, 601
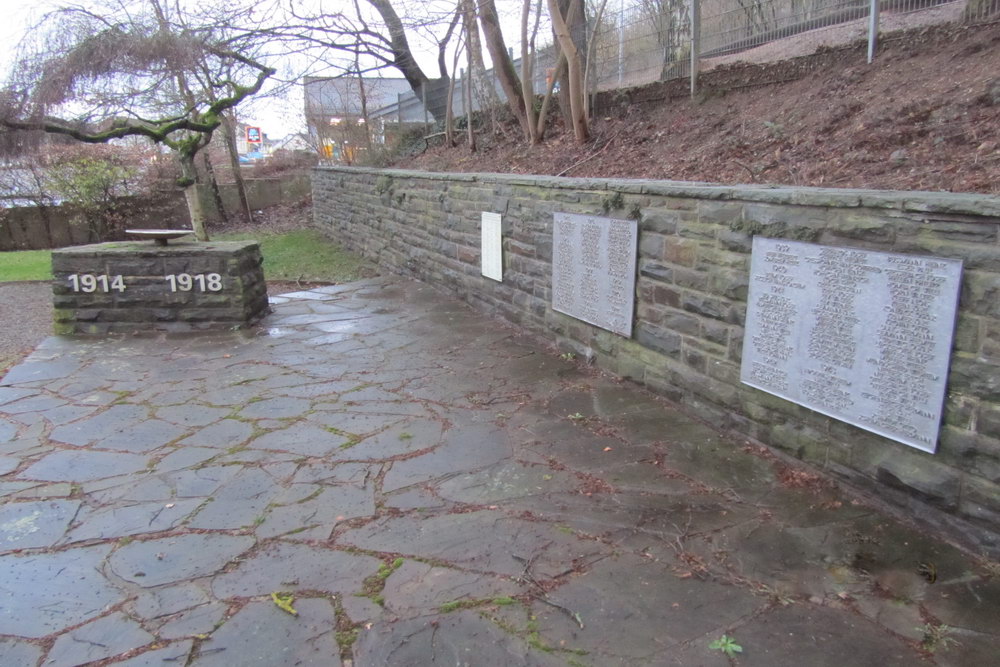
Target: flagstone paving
378, 476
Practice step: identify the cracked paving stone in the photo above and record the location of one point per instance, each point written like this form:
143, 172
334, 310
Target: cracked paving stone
458, 638
14, 652
46, 593
100, 426
276, 408
481, 541
104, 638
239, 502
167, 600
333, 505
83, 466
66, 414
317, 390
27, 525
142, 437
262, 634
8, 464
199, 482
335, 416
628, 596
34, 404
301, 439
191, 415
402, 438
33, 369
15, 488
171, 656
223, 434
131, 520
171, 559
417, 587
46, 491
11, 394
184, 457
506, 481
465, 449
803, 634
196, 621
960, 604
8, 431
289, 566
335, 473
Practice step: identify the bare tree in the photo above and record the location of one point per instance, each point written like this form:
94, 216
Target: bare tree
370, 36
574, 62
96, 77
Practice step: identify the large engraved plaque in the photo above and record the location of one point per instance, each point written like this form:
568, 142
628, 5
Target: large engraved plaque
593, 270
861, 336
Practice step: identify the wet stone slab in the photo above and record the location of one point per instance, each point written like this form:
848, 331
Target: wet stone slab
103, 638
48, 592
287, 566
26, 525
81, 466
131, 519
172, 559
482, 541
458, 638
261, 634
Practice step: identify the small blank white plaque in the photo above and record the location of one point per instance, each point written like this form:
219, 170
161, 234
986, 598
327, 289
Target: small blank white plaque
492, 247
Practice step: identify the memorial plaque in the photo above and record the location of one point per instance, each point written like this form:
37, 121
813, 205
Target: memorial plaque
492, 247
857, 335
593, 270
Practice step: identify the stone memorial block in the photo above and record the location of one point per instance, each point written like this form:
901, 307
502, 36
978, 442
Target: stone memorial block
593, 270
492, 246
857, 335
138, 286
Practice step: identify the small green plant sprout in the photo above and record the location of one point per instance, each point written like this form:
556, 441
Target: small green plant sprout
576, 416
727, 645
937, 636
567, 356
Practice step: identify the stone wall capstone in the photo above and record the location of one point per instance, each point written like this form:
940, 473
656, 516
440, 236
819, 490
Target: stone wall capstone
691, 300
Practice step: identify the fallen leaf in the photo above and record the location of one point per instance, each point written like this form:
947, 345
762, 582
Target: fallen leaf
283, 601
607, 449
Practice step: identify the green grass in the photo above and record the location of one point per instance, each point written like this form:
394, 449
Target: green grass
25, 265
304, 255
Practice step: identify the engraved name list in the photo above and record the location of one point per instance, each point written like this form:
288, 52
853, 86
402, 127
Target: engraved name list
861, 336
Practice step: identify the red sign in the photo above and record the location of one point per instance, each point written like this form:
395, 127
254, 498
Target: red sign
253, 135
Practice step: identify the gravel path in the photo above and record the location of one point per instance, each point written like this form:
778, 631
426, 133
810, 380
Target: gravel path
25, 319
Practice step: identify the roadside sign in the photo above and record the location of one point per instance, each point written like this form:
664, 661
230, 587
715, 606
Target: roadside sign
253, 135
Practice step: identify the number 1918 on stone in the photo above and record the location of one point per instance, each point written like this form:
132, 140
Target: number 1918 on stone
202, 282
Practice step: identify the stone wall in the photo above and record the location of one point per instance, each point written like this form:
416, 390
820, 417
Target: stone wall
691, 290
127, 287
43, 227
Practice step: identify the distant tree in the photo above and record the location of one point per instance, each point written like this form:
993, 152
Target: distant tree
101, 74
92, 182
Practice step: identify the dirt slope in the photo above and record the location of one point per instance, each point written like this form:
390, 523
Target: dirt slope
924, 116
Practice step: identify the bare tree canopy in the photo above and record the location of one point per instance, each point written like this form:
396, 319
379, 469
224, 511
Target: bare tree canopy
132, 69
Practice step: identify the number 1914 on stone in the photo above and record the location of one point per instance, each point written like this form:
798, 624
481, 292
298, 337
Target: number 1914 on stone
89, 282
